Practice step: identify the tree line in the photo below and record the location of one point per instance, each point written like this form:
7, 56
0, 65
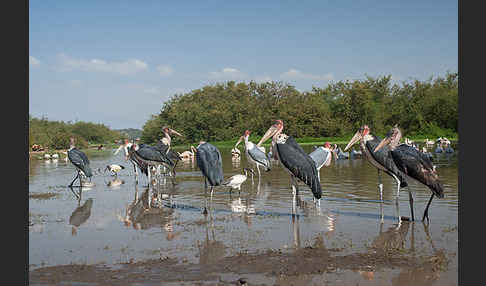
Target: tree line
224, 110
56, 134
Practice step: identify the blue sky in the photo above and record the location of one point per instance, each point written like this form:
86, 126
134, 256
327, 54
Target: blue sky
116, 62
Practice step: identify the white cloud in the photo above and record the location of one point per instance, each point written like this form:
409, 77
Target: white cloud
262, 79
33, 61
127, 67
227, 73
165, 70
296, 74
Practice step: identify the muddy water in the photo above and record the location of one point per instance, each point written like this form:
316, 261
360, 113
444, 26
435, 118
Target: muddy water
352, 238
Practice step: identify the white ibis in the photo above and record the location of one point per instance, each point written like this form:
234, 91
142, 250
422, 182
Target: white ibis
209, 161
294, 159
381, 160
414, 164
80, 162
255, 154
114, 168
55, 156
47, 156
235, 181
322, 156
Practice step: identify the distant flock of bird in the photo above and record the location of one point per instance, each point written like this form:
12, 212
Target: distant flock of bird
400, 161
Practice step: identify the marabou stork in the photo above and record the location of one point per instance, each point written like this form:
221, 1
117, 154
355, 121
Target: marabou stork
381, 160
80, 161
254, 154
209, 161
114, 168
414, 164
294, 159
163, 145
448, 148
235, 181
131, 157
322, 156
148, 156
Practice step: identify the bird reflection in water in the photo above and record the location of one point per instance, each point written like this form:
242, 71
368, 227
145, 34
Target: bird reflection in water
210, 250
115, 183
80, 215
147, 211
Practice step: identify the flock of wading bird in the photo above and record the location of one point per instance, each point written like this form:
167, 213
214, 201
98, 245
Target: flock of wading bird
400, 161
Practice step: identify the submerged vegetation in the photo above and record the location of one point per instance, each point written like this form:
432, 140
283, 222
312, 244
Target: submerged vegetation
221, 112
56, 134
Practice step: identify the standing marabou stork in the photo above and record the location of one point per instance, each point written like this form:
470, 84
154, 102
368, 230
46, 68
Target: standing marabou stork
322, 156
254, 154
381, 160
163, 145
294, 159
149, 156
209, 161
131, 157
414, 164
80, 161
235, 181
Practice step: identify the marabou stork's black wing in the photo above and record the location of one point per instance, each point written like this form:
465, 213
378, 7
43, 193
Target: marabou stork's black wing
149, 153
81, 213
161, 147
169, 154
80, 160
384, 157
294, 158
209, 161
410, 161
256, 154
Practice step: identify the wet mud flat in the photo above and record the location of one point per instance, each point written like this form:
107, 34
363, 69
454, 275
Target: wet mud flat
310, 265
118, 232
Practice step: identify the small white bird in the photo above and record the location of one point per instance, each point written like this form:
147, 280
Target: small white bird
47, 156
55, 156
114, 168
235, 181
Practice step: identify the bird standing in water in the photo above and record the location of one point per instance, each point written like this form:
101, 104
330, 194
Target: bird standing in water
414, 164
80, 161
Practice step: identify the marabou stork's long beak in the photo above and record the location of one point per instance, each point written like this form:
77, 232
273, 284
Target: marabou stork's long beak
239, 141
357, 136
383, 142
270, 132
172, 131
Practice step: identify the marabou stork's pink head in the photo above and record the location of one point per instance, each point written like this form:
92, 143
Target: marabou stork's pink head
392, 138
327, 145
362, 132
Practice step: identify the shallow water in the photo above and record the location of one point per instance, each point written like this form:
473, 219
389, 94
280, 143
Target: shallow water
112, 223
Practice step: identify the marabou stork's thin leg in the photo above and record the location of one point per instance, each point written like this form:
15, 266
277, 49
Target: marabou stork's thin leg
410, 199
426, 212
382, 213
77, 175
258, 169
295, 192
380, 184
